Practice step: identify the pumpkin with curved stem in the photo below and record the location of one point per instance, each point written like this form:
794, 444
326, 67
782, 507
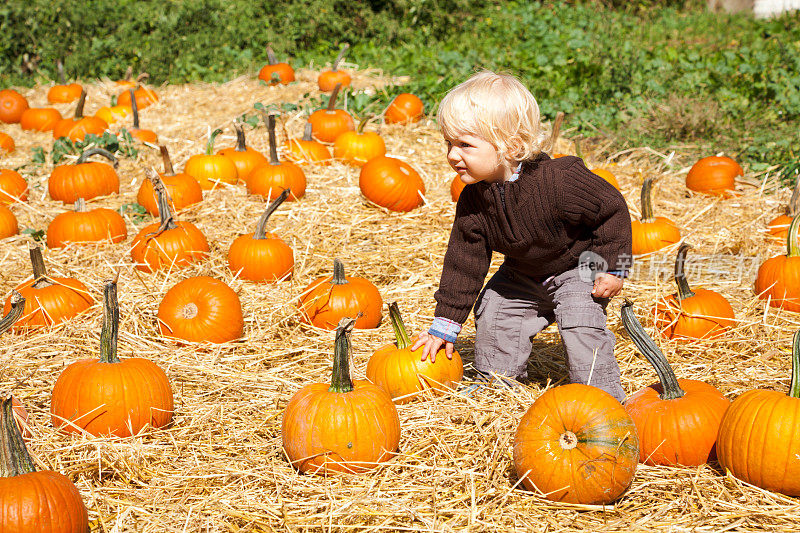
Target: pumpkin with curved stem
86, 227
714, 175
113, 114
63, 93
758, 440
328, 299
144, 97
12, 105
39, 119
347, 426
201, 309
13, 187
607, 175
42, 501
329, 79
652, 233
270, 179
85, 179
244, 157
327, 124
211, 170
391, 183
399, 371
8, 223
6, 143
182, 189
692, 314
576, 444
48, 300
406, 108
168, 243
676, 419
274, 72
128, 83
778, 227
146, 136
307, 150
78, 127
456, 186
357, 147
109, 396
262, 256
778, 278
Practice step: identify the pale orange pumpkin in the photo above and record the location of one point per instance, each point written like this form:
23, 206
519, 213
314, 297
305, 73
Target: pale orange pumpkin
182, 189
391, 183
714, 175
357, 147
244, 157
13, 187
212, 170
328, 80
307, 150
327, 124
65, 92
404, 109
271, 178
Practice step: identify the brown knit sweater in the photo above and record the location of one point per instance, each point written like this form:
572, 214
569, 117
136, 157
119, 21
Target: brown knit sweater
541, 222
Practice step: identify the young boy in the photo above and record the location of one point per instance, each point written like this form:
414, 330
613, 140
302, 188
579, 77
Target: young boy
545, 216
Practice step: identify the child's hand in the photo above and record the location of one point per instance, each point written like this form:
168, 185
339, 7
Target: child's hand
432, 345
606, 286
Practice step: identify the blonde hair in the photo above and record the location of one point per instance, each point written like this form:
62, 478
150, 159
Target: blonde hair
497, 108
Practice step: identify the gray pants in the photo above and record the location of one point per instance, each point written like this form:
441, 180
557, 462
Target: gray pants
513, 308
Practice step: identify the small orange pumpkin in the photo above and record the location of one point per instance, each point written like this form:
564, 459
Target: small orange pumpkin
126, 82
39, 119
270, 179
328, 299
328, 124
714, 175
65, 92
211, 170
328, 80
391, 183
778, 278
406, 108
12, 105
652, 233
244, 157
146, 136
144, 97
182, 189
357, 147
307, 150
456, 186
85, 179
86, 227
6, 143
78, 127
607, 175
8, 223
778, 228
113, 114
274, 72
13, 187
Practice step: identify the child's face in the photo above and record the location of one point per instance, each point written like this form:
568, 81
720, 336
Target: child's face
476, 159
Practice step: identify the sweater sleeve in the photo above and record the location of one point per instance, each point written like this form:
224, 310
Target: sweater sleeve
466, 263
589, 202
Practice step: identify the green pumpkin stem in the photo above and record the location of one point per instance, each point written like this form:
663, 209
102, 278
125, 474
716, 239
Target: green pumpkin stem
241, 145
578, 150
794, 386
60, 69
165, 214
400, 334
556, 129
684, 291
671, 390
14, 457
271, 55
39, 271
261, 227
338, 273
269, 119
17, 306
792, 248
307, 132
169, 170
135, 109
332, 99
340, 381
362, 123
81, 103
647, 204
97, 151
793, 208
339, 57
108, 336
211, 139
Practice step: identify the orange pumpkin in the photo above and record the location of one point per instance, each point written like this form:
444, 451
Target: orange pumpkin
328, 124
400, 371
307, 150
126, 82
113, 114
86, 227
328, 80
391, 183
358, 147
182, 189
778, 278
456, 186
39, 119
12, 105
676, 419
6, 143
84, 179
109, 396
576, 444
146, 136
328, 299
270, 179
778, 228
77, 128
406, 108
13, 187
144, 97
692, 314
244, 157
652, 233
48, 300
758, 440
607, 175
274, 72
714, 175
168, 243
8, 223
211, 170
201, 309
65, 92
262, 256
345, 426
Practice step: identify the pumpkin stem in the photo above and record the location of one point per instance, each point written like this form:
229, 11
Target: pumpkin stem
400, 334
14, 457
39, 270
79, 107
794, 386
261, 227
307, 132
141, 77
135, 109
556, 129
339, 57
169, 170
362, 123
162, 197
241, 145
60, 70
647, 204
17, 306
108, 336
684, 291
792, 248
273, 144
210, 143
578, 150
332, 99
340, 381
97, 151
338, 273
271, 55
671, 390
128, 73
794, 201
80, 205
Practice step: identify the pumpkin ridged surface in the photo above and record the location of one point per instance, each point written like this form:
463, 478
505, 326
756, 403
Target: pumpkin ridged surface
779, 279
391, 183
173, 248
327, 125
302, 151
404, 109
358, 148
651, 236
270, 180
705, 315
67, 183
402, 374
714, 175
39, 119
267, 260
64, 94
283, 71
41, 502
183, 190
12, 105
8, 223
86, 227
212, 170
324, 304
201, 309
61, 300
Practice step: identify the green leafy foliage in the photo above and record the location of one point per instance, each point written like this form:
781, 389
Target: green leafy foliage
122, 145
136, 212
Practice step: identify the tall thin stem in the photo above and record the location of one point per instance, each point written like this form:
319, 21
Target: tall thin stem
332, 99
794, 386
261, 227
792, 248
307, 132
135, 108
647, 204
169, 170
17, 307
794, 202
273, 143
271, 55
339, 57
162, 197
60, 69
556, 129
340, 380
211, 139
108, 336
241, 145
684, 291
79, 106
400, 333
14, 457
39, 270
338, 273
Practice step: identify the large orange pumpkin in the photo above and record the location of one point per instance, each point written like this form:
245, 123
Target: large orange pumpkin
692, 314
456, 186
271, 178
84, 179
778, 278
211, 170
12, 105
8, 223
6, 143
201, 309
758, 440
327, 124
576, 444
109, 396
13, 187
677, 420
39, 119
652, 233
403, 374
244, 157
778, 228
86, 227
182, 189
144, 97
345, 426
274, 72
262, 256
113, 114
328, 299
329, 79
146, 136
404, 109
65, 92
78, 127
714, 175
307, 150
391, 183
357, 147
48, 300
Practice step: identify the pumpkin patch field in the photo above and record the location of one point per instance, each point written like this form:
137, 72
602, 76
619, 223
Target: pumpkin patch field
219, 360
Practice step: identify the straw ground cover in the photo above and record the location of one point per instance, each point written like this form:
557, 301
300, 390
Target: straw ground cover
220, 466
